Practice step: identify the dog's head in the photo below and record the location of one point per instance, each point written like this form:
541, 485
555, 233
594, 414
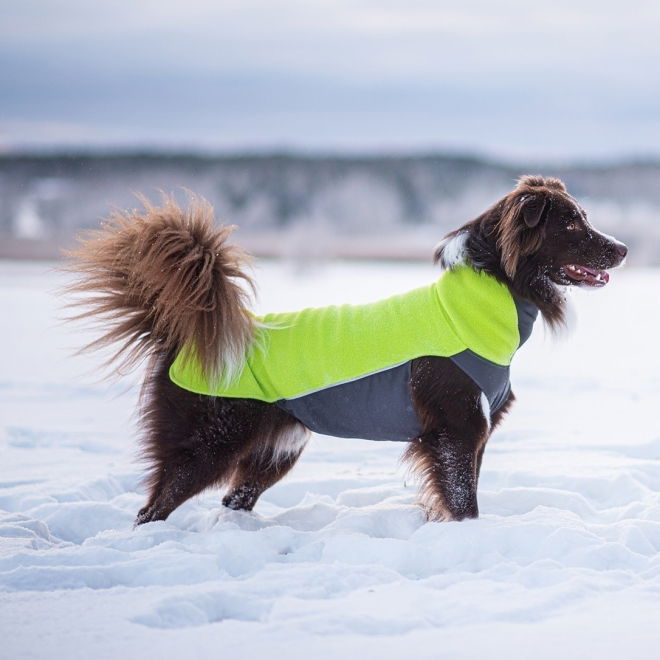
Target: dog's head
538, 231
542, 224
533, 239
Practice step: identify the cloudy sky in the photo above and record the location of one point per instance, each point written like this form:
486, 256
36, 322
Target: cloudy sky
564, 79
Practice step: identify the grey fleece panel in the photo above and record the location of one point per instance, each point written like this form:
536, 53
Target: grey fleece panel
492, 379
527, 313
376, 407
379, 406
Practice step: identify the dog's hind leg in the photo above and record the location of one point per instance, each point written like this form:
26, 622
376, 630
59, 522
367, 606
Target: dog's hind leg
190, 453
193, 442
265, 463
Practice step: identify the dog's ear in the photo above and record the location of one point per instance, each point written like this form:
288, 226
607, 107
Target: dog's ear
534, 208
519, 228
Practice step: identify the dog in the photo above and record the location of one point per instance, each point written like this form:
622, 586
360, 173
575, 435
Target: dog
229, 399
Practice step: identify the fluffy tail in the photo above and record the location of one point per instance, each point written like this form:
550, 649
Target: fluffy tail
165, 280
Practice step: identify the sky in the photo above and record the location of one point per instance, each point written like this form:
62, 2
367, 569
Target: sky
565, 80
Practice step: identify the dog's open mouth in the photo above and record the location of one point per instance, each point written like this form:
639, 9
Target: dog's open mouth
584, 275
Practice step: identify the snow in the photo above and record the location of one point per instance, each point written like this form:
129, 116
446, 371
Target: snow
336, 560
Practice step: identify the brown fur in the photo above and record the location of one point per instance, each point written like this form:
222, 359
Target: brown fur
166, 280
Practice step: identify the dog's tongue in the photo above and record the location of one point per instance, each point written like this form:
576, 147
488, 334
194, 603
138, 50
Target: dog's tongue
589, 276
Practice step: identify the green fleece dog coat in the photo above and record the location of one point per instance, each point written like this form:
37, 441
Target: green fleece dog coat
299, 356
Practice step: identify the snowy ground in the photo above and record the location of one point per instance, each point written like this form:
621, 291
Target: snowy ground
336, 561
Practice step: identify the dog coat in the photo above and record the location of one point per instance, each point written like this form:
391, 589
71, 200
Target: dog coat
345, 370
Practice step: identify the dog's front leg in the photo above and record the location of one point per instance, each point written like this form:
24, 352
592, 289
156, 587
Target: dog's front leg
447, 466
446, 457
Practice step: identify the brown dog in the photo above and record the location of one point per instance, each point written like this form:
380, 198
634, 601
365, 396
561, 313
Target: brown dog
167, 282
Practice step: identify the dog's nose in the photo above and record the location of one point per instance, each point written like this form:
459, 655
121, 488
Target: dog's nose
621, 250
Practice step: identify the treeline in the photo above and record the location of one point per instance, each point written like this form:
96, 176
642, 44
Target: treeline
49, 196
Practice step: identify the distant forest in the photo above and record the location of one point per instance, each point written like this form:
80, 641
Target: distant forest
293, 204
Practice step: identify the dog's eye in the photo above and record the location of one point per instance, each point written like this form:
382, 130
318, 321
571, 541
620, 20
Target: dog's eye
571, 226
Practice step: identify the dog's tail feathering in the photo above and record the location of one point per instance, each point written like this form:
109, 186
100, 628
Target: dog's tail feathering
162, 280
